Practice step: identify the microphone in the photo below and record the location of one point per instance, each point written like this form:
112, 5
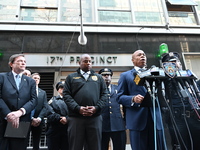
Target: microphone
153, 86
191, 74
182, 91
188, 87
140, 77
163, 88
192, 97
148, 86
195, 93
154, 70
196, 88
153, 66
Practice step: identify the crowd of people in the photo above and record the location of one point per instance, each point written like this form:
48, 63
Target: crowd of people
89, 111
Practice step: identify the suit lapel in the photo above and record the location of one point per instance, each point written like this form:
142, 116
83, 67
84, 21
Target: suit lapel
23, 81
39, 92
12, 80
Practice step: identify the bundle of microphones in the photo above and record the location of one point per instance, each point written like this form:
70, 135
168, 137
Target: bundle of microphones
185, 79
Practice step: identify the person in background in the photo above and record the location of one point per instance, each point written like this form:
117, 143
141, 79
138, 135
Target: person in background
17, 99
139, 120
85, 94
27, 72
187, 121
113, 126
57, 138
38, 113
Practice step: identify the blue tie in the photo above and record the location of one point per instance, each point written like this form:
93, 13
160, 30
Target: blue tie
18, 80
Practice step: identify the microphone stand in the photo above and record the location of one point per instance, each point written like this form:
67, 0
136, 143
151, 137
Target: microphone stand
154, 113
154, 98
169, 106
183, 94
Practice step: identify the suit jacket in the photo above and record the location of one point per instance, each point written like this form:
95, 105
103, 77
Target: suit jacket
136, 117
12, 99
111, 114
40, 110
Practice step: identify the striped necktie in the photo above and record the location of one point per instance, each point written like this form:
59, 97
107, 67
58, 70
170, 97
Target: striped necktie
141, 70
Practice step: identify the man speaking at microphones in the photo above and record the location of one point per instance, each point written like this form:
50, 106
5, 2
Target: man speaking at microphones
139, 119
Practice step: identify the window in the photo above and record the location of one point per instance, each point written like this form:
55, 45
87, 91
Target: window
192, 62
39, 10
114, 11
181, 12
198, 6
147, 12
8, 9
70, 10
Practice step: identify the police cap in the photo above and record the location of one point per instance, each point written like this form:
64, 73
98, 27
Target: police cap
106, 71
59, 85
169, 57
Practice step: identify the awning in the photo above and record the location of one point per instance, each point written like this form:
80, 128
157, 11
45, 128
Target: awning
182, 2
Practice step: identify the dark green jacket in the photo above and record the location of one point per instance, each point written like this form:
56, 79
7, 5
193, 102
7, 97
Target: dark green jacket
80, 92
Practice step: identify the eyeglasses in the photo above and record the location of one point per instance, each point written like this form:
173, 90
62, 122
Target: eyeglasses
106, 74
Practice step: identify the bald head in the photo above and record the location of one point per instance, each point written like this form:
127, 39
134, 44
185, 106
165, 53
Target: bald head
85, 62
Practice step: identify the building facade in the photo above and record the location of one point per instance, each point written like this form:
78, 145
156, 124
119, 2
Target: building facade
47, 32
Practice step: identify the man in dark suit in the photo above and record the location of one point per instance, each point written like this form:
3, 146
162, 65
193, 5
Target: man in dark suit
113, 126
139, 120
39, 113
17, 99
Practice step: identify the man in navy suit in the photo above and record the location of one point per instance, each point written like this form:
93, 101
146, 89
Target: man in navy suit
17, 100
39, 113
138, 119
113, 126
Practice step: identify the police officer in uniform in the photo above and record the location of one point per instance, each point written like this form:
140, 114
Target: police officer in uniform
57, 121
113, 126
187, 135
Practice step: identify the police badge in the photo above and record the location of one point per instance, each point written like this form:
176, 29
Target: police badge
169, 68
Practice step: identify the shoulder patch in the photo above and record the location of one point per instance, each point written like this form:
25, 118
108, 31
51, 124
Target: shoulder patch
50, 101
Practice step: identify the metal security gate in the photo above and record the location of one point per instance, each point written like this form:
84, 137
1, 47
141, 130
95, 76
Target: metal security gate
43, 140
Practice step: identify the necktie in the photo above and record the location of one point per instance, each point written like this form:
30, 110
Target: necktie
108, 90
141, 70
17, 80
